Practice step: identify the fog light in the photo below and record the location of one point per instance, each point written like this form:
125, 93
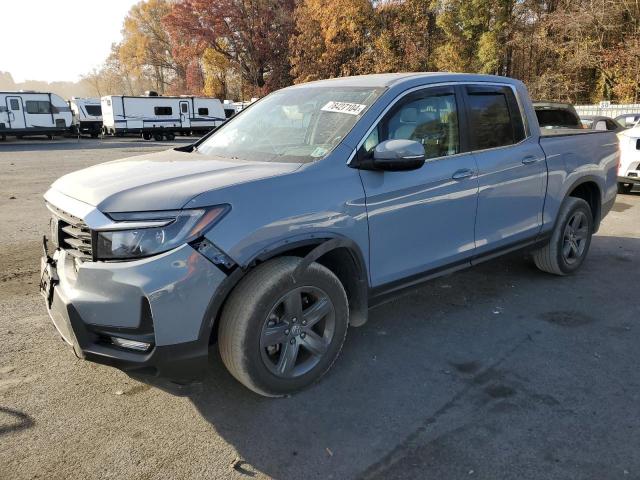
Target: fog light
130, 344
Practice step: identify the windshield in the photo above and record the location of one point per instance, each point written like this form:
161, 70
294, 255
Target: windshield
298, 125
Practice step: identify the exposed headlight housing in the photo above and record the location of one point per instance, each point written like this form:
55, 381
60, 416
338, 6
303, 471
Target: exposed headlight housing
143, 234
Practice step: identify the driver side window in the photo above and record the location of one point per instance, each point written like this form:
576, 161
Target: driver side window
429, 117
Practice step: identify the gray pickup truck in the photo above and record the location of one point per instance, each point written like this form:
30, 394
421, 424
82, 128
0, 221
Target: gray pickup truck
271, 236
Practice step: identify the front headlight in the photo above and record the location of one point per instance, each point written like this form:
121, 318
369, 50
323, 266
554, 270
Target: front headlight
142, 234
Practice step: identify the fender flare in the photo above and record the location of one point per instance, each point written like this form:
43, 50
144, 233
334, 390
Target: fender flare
599, 182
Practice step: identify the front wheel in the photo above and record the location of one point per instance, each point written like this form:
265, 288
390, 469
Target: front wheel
625, 188
279, 333
569, 241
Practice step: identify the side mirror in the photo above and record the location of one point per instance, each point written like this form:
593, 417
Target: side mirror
398, 155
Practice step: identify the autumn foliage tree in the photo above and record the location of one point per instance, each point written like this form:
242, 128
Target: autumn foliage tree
332, 38
251, 34
574, 50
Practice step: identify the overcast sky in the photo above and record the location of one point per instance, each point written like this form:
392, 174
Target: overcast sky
58, 40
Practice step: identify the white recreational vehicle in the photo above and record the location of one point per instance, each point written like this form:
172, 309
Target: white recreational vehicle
158, 116
33, 113
87, 115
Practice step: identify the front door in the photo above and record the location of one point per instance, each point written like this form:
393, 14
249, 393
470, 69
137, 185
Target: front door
512, 170
185, 114
16, 112
421, 220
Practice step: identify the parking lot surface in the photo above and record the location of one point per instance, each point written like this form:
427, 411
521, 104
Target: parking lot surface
499, 371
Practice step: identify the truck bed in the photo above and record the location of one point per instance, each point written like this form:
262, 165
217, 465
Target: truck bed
564, 132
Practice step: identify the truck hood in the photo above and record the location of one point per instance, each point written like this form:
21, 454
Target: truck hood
160, 181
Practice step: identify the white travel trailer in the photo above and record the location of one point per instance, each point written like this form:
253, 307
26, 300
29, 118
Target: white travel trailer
33, 113
87, 116
158, 116
230, 108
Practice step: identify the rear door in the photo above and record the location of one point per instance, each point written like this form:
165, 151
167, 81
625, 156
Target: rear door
15, 110
185, 114
421, 220
512, 169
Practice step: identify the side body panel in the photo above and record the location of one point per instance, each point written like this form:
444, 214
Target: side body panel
420, 220
573, 159
512, 181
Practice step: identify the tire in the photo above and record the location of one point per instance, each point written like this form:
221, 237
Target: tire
625, 188
170, 136
94, 134
146, 136
158, 137
50, 137
256, 309
572, 233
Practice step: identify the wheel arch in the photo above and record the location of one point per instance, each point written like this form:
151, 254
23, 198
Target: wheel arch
339, 254
588, 189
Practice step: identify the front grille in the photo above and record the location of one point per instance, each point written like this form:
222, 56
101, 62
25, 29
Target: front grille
71, 234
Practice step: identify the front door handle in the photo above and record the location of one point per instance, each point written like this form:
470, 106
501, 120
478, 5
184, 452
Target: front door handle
529, 159
464, 173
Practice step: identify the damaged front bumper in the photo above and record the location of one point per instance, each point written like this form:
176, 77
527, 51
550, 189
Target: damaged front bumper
152, 316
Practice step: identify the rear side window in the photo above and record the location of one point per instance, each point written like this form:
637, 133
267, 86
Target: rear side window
203, 111
494, 117
163, 110
94, 110
38, 106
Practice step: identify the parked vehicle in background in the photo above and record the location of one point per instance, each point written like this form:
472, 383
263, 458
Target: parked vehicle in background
159, 117
629, 170
275, 233
556, 115
601, 123
87, 116
628, 120
33, 113
230, 108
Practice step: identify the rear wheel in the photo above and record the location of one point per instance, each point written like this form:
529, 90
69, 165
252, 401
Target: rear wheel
170, 136
158, 137
625, 188
279, 334
94, 134
146, 136
569, 241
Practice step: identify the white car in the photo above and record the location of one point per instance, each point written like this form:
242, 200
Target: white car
629, 169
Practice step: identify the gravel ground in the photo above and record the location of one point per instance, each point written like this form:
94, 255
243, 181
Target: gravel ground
495, 372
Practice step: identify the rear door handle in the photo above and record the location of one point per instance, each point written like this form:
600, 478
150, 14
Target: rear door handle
529, 159
464, 173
